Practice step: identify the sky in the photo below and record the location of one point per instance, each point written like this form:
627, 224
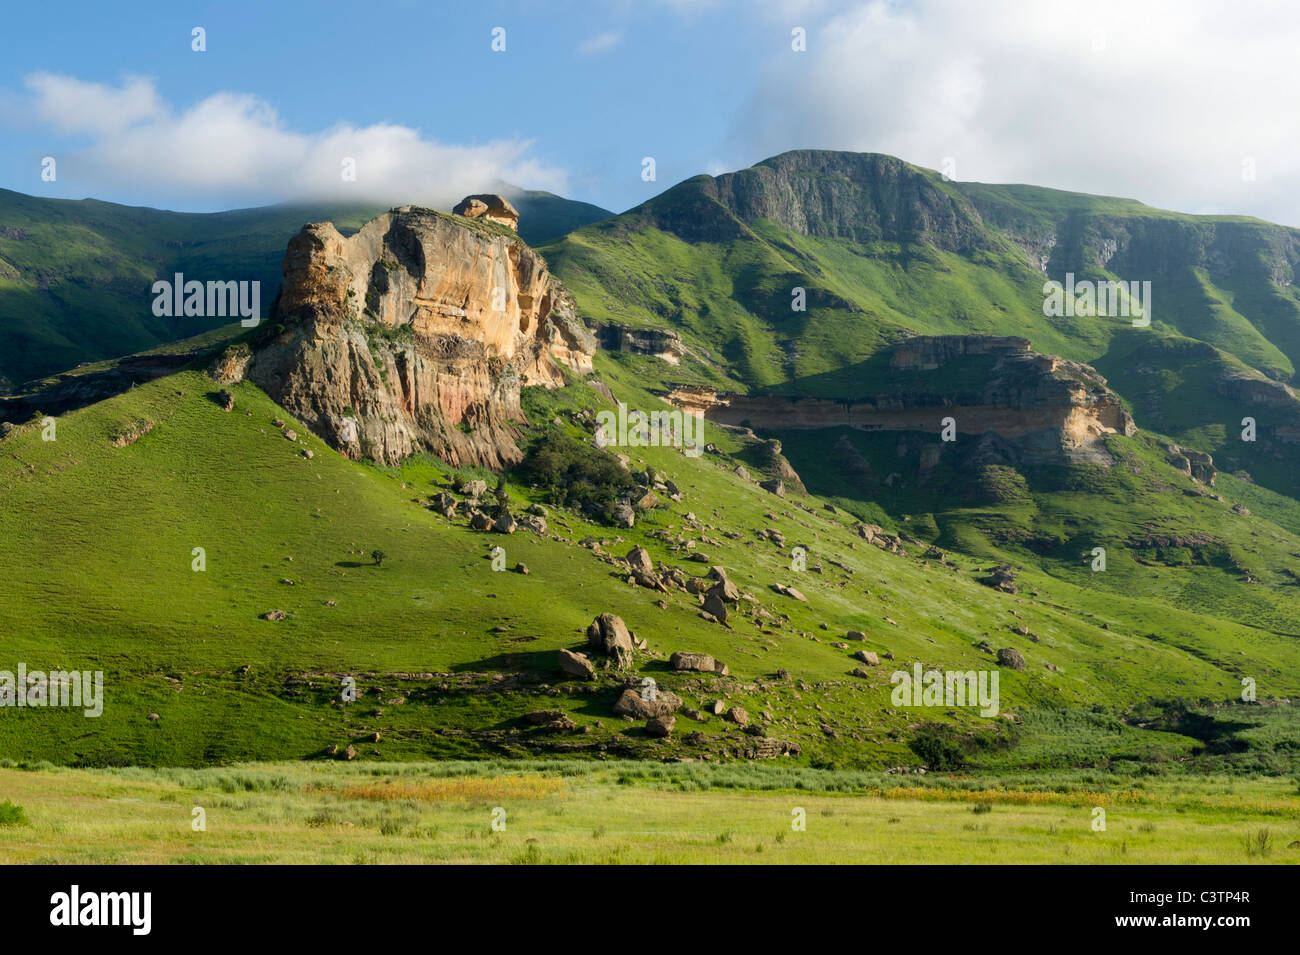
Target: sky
1189, 105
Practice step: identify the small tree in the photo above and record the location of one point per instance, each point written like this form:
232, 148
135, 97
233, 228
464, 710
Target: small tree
378, 556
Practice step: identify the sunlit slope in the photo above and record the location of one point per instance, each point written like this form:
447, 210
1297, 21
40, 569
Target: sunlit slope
97, 553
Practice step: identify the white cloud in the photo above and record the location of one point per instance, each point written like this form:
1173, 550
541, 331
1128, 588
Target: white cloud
71, 105
1160, 100
601, 43
234, 147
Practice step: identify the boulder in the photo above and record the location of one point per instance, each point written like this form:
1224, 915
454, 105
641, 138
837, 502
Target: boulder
555, 721
609, 635
738, 716
661, 726
725, 591
1011, 657
472, 488
489, 206
638, 559
631, 704
714, 606
868, 657
576, 665
698, 662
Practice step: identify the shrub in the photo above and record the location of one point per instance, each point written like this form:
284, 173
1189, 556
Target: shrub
575, 474
12, 815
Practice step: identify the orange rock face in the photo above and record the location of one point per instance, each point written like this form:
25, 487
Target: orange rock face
416, 334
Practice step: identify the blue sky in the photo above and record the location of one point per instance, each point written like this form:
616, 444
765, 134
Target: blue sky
651, 80
1185, 104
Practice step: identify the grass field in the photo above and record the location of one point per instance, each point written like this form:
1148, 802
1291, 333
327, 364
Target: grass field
624, 812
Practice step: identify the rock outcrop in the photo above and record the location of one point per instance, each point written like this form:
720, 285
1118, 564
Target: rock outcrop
662, 343
416, 334
489, 206
1050, 409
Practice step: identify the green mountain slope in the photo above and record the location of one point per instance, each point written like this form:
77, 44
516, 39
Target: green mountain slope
75, 276
883, 249
97, 537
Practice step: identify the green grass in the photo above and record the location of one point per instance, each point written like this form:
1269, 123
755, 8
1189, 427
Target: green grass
420, 633
620, 813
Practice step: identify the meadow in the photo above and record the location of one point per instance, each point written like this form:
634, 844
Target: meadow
625, 812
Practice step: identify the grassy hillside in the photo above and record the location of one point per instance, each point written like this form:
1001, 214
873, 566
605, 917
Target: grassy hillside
98, 527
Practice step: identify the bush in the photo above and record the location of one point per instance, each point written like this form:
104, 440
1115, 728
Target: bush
11, 815
575, 474
937, 749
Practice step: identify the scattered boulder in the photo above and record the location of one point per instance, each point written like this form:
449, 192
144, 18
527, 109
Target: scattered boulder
715, 608
738, 716
491, 207
867, 656
555, 721
534, 523
1011, 657
661, 726
609, 635
697, 662
632, 705
274, 615
1002, 578
576, 665
775, 486
473, 489
638, 559
622, 515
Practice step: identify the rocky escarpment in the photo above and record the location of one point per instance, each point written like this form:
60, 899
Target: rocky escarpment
1046, 409
662, 343
861, 197
416, 334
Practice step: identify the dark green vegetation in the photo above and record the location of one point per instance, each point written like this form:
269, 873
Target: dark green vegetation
1138, 669
574, 473
75, 276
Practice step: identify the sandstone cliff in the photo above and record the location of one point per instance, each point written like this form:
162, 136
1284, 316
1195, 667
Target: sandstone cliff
1048, 408
416, 334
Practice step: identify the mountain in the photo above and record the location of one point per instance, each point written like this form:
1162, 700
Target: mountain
497, 561
878, 250
75, 276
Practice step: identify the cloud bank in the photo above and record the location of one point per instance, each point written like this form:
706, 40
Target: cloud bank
1174, 102
233, 147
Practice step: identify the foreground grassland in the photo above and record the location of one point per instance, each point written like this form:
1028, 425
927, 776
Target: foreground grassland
623, 812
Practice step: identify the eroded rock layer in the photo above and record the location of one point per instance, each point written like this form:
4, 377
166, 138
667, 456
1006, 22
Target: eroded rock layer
416, 334
1050, 408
